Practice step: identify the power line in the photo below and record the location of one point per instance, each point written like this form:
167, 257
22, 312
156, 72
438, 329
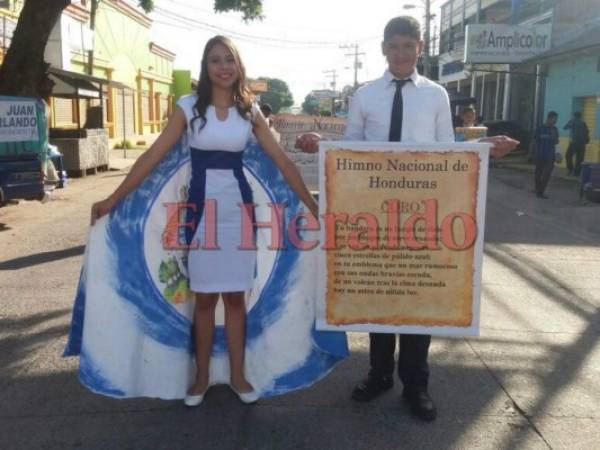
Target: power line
266, 40
333, 74
180, 26
357, 63
194, 7
176, 16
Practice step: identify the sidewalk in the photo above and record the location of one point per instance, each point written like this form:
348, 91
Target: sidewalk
120, 159
519, 161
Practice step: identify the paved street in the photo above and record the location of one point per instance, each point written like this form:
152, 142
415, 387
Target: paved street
532, 380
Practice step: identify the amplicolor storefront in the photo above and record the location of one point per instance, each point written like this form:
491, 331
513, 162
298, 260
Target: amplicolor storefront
506, 43
491, 68
503, 50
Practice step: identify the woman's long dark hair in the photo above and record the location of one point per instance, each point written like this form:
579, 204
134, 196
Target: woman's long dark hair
242, 96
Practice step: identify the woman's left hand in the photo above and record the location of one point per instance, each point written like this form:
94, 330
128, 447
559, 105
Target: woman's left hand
502, 145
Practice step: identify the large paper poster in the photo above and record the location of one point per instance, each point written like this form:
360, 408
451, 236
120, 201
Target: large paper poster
403, 234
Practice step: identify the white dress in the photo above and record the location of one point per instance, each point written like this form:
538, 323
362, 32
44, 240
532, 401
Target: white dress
216, 152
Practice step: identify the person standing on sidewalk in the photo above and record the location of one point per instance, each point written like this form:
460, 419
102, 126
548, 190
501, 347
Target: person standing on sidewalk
580, 137
544, 151
401, 106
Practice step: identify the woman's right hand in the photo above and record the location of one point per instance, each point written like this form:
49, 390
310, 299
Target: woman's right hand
101, 208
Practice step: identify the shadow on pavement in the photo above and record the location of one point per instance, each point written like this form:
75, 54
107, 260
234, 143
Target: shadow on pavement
43, 406
41, 258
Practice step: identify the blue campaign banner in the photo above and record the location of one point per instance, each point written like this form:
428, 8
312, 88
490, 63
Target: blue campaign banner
132, 319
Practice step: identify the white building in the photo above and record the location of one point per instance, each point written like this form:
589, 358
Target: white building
505, 88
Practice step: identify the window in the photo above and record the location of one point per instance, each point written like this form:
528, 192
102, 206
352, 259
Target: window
445, 20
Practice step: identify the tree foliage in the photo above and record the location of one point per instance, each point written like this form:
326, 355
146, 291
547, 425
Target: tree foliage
250, 9
24, 71
278, 94
310, 104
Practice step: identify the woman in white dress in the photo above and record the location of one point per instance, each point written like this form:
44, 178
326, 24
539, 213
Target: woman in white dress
219, 120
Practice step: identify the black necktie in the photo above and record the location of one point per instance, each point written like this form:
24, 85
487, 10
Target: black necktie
396, 119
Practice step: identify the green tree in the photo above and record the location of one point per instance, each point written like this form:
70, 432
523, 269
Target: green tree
310, 104
278, 94
24, 71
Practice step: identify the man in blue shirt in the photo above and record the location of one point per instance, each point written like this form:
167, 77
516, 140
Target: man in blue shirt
580, 136
544, 145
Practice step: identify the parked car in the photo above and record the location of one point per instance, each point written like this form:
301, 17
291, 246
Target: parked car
21, 180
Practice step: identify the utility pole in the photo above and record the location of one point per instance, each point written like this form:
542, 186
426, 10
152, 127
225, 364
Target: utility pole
473, 75
357, 63
434, 40
426, 62
333, 74
426, 38
426, 59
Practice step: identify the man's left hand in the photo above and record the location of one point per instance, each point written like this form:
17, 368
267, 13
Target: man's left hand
501, 145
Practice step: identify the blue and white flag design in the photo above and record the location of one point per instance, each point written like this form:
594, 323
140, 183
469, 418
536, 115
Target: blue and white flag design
132, 319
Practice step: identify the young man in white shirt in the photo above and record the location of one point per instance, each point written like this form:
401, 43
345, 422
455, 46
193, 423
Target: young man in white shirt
401, 106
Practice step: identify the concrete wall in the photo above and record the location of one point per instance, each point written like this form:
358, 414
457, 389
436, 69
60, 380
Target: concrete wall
567, 82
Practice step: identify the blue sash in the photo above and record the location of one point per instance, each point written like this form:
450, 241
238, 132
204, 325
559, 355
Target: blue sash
201, 160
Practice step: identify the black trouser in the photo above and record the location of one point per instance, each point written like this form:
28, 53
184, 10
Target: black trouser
413, 369
576, 149
543, 170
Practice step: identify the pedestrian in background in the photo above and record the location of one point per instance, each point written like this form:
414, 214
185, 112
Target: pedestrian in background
544, 144
268, 112
468, 117
580, 137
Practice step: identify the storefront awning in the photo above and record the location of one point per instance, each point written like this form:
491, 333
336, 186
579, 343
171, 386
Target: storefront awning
67, 85
78, 85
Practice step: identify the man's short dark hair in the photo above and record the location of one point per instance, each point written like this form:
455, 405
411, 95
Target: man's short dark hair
552, 114
577, 114
404, 26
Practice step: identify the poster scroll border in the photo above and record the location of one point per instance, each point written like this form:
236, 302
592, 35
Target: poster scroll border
483, 151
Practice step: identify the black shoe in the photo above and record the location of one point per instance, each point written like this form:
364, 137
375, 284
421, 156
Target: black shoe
421, 404
371, 387
544, 196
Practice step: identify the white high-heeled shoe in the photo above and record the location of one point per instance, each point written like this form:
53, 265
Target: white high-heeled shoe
246, 397
194, 400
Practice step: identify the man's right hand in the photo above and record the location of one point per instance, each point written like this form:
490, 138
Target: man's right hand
101, 208
308, 142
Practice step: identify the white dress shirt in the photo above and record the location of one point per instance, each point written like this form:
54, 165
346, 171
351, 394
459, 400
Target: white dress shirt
426, 115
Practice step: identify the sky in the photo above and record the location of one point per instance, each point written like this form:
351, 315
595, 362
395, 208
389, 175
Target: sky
298, 40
